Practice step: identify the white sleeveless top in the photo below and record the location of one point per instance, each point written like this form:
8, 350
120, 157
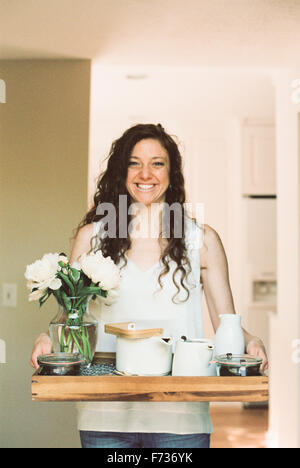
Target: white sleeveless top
142, 301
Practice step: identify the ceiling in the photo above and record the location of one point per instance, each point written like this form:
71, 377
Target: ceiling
243, 33
186, 92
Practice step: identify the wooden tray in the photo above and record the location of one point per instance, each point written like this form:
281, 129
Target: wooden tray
132, 388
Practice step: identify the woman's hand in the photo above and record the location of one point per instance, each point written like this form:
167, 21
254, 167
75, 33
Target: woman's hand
42, 345
255, 347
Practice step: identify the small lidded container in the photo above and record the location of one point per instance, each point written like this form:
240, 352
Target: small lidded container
239, 365
61, 363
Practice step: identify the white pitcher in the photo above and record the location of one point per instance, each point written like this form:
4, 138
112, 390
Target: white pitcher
192, 358
229, 336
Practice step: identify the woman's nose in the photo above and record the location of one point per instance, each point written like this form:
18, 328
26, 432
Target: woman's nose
145, 172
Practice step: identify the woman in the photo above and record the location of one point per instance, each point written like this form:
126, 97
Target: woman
162, 274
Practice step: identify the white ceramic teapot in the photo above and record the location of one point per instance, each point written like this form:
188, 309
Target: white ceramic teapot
147, 356
192, 357
141, 351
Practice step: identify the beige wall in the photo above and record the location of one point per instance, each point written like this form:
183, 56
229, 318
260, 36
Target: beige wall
43, 186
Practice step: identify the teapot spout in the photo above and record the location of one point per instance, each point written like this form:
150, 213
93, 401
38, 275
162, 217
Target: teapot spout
167, 341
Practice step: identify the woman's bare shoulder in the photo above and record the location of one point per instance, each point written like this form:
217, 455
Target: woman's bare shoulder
211, 242
82, 241
211, 237
86, 231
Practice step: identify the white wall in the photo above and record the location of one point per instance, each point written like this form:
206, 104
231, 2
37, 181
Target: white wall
285, 326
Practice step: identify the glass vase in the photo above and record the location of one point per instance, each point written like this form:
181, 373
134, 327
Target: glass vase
74, 331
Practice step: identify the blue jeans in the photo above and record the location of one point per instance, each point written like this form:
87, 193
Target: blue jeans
92, 439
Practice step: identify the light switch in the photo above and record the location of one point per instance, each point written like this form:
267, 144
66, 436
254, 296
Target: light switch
2, 352
9, 295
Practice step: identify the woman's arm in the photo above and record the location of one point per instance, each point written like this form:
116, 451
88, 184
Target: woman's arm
216, 286
81, 243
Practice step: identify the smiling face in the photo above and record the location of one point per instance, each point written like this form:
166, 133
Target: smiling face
148, 172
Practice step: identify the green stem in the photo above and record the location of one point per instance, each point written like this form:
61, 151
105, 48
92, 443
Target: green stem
76, 341
62, 339
83, 341
68, 341
88, 345
80, 302
67, 281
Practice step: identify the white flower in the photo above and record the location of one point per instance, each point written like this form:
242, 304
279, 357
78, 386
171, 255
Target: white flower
30, 285
36, 295
101, 270
63, 258
112, 296
42, 273
76, 265
55, 284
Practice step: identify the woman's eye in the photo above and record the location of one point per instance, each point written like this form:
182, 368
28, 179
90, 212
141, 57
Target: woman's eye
137, 164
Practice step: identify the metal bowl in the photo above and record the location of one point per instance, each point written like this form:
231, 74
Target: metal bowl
61, 363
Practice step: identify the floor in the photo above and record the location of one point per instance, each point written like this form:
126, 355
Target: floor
236, 427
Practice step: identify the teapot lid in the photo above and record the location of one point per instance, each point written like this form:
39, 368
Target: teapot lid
238, 360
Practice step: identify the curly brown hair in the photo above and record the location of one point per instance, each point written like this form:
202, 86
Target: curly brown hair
112, 183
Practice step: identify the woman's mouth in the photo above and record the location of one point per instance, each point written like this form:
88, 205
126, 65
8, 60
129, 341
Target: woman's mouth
145, 187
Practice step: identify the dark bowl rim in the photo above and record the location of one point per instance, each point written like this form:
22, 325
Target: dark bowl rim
64, 359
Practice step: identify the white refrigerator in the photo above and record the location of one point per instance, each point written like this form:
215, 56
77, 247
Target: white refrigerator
259, 278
